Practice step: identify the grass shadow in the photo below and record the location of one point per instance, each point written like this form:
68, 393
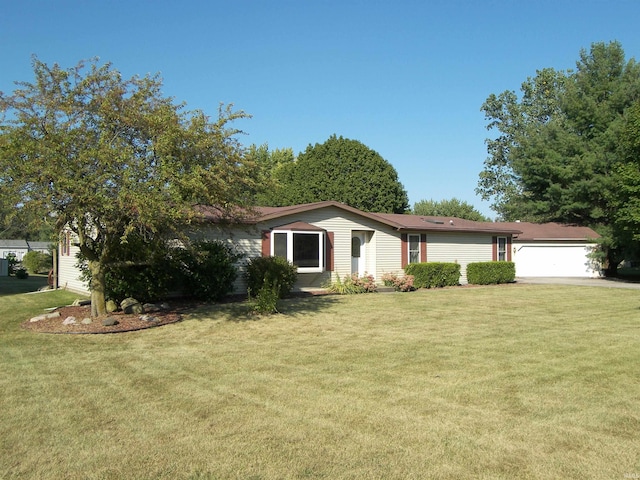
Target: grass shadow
13, 285
239, 309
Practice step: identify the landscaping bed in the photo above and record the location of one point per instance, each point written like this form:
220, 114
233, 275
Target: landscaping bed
125, 322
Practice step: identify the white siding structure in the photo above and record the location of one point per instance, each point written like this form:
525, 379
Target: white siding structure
68, 272
346, 239
461, 248
554, 250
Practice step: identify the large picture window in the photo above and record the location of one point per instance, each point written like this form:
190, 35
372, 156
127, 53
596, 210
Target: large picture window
303, 249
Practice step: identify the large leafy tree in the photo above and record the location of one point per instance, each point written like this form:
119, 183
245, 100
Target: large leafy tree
626, 197
269, 165
343, 170
448, 208
109, 157
556, 150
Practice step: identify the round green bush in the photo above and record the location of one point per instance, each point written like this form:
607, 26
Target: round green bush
275, 271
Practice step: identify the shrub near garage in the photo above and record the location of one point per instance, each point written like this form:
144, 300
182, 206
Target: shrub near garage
488, 273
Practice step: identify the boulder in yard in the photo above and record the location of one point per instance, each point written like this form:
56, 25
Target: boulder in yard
131, 305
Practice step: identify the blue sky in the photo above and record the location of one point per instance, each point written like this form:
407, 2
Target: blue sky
406, 78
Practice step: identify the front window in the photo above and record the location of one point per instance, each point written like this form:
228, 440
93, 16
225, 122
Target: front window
502, 249
414, 248
303, 249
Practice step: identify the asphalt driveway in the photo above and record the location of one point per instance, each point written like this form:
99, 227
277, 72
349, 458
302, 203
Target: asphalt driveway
580, 281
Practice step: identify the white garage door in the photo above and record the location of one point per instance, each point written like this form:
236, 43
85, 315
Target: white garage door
552, 261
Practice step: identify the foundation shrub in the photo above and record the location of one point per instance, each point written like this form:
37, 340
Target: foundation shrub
434, 274
488, 273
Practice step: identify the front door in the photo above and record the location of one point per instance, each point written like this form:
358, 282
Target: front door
358, 253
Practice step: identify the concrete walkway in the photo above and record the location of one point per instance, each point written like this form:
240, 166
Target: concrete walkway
584, 282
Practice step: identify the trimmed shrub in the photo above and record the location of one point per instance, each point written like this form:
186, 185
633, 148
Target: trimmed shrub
487, 273
434, 274
147, 283
36, 262
353, 284
209, 269
140, 268
149, 270
274, 271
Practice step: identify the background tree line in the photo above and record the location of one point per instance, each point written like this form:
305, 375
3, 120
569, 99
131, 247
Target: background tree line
113, 159
567, 149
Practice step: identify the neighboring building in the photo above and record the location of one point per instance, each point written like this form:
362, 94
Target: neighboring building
13, 247
554, 250
20, 248
44, 247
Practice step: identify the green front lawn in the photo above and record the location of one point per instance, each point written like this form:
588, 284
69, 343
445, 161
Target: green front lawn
493, 382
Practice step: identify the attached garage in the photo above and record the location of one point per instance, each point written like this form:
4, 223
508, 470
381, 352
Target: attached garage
554, 250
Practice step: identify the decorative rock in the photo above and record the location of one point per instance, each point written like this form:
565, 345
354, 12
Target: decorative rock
148, 318
151, 307
110, 322
111, 306
86, 321
45, 316
131, 305
164, 306
69, 321
80, 303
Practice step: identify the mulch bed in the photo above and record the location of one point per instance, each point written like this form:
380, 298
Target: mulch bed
126, 322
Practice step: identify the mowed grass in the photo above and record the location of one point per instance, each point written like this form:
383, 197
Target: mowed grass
13, 285
491, 382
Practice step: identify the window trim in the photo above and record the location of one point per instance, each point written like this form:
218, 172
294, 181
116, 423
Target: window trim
321, 248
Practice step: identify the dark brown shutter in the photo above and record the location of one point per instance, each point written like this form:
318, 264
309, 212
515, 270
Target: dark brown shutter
494, 249
266, 243
508, 249
329, 251
404, 252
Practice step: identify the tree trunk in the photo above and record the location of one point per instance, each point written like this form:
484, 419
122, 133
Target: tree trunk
98, 301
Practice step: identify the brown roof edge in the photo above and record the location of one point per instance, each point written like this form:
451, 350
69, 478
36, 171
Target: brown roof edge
392, 220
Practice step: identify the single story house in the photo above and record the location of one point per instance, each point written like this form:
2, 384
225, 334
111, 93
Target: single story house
13, 247
20, 248
328, 239
554, 250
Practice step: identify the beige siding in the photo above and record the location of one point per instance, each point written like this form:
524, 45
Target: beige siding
382, 248
245, 240
68, 273
459, 248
